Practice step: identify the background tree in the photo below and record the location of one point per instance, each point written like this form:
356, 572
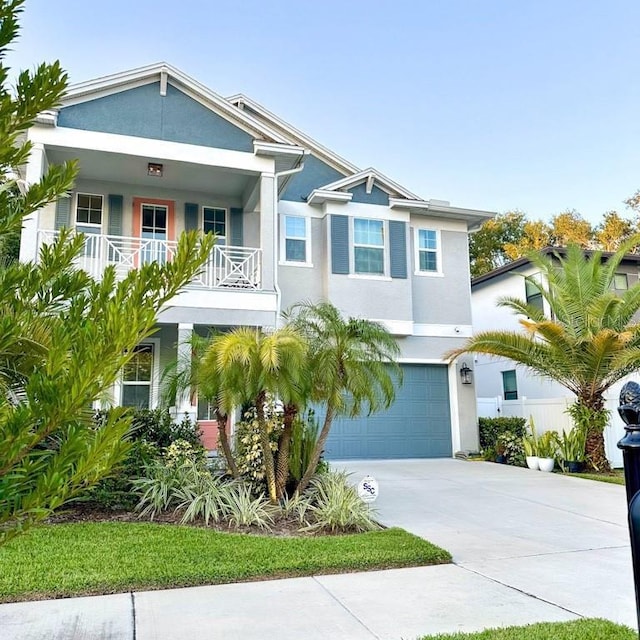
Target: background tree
589, 341
64, 337
352, 367
612, 231
569, 227
536, 235
487, 245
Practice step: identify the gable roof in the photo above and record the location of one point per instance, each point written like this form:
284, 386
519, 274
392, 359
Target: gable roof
371, 176
630, 258
295, 136
165, 73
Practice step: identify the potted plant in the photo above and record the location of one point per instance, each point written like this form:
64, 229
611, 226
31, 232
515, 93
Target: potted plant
547, 450
530, 446
571, 448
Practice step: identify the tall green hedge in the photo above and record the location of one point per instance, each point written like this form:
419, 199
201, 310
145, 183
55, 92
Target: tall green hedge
492, 428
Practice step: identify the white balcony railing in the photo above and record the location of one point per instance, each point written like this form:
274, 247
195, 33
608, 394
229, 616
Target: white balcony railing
226, 268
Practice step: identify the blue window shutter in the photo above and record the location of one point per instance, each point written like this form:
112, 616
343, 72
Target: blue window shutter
115, 214
235, 221
398, 249
190, 216
339, 244
63, 212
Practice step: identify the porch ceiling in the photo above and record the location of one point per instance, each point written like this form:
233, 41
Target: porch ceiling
132, 170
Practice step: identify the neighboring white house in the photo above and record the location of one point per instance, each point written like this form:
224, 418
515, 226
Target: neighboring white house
160, 153
506, 388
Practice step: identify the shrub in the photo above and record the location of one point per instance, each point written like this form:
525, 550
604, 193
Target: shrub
248, 451
513, 448
242, 509
336, 507
492, 428
304, 438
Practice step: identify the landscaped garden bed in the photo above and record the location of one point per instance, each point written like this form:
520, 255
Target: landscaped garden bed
589, 629
61, 560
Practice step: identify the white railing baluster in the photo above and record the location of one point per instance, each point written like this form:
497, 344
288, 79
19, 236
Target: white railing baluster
228, 267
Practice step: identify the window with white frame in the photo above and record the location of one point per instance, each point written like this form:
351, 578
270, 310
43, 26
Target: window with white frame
620, 282
428, 251
368, 246
137, 378
215, 221
295, 238
88, 210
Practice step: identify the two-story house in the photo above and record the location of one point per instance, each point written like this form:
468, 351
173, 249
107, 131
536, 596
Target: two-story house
160, 153
506, 388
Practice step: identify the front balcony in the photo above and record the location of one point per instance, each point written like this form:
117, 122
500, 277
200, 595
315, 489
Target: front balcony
228, 267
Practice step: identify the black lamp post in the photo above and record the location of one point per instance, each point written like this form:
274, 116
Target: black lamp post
629, 411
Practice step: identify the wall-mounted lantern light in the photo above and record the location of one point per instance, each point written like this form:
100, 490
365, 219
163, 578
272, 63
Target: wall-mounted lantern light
154, 169
466, 374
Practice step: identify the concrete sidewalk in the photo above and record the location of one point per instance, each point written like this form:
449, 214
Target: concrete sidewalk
528, 547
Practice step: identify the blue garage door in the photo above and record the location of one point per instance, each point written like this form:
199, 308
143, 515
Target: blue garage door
417, 425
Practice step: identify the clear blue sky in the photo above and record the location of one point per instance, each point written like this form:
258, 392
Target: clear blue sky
486, 103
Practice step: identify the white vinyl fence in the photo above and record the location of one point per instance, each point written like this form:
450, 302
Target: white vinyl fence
549, 413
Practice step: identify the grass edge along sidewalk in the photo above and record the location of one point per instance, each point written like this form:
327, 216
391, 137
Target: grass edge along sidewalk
64, 560
586, 629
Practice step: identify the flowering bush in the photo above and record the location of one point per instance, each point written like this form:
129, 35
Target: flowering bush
181, 451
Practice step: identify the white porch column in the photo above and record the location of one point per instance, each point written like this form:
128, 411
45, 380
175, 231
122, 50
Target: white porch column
29, 239
183, 401
268, 224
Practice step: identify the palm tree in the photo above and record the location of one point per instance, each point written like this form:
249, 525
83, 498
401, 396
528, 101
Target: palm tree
352, 367
589, 341
252, 366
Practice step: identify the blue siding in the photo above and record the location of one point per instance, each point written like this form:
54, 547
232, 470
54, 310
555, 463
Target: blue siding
417, 425
143, 112
315, 174
377, 195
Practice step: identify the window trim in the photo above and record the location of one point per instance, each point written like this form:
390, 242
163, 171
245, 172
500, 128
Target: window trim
514, 391
626, 277
227, 225
283, 241
155, 375
91, 225
438, 273
385, 249
538, 296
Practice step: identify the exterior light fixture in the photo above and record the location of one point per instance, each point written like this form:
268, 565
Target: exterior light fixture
154, 169
466, 374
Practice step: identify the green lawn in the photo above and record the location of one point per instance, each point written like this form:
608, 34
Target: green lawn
616, 477
577, 630
71, 559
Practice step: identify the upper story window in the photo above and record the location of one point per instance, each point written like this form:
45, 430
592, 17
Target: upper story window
427, 245
533, 293
215, 221
295, 239
620, 282
88, 210
368, 246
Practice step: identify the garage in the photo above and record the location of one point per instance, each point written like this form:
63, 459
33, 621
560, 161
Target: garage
417, 425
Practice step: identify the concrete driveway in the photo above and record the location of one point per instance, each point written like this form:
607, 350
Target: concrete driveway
527, 547
561, 540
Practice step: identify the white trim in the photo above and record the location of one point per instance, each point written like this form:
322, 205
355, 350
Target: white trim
371, 175
320, 196
396, 327
149, 148
140, 76
416, 252
420, 361
283, 241
437, 209
454, 408
218, 299
227, 221
154, 385
262, 148
241, 101
75, 211
442, 330
385, 250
